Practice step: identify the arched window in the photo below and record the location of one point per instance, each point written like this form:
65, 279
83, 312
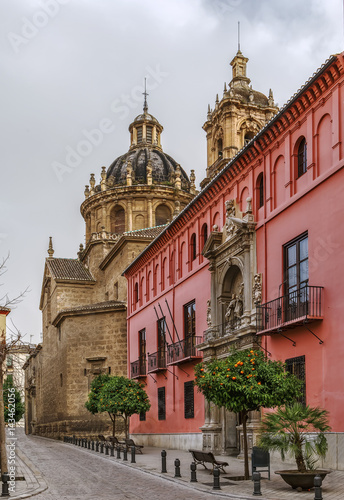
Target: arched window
136, 293
149, 134
302, 158
204, 234
260, 190
162, 215
248, 137
117, 219
219, 148
193, 249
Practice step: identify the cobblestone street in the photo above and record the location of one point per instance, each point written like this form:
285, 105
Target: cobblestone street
73, 473
54, 470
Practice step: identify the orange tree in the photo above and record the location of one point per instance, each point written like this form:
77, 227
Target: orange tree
118, 396
246, 381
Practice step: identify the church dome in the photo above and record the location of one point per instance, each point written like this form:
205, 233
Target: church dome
146, 162
140, 160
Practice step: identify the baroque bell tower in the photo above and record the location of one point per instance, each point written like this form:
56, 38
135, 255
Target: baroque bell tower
236, 118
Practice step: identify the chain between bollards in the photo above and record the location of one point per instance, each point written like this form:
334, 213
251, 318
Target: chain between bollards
317, 488
177, 468
193, 473
163, 461
256, 484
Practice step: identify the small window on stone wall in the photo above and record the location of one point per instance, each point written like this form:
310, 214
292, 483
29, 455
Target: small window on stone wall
162, 215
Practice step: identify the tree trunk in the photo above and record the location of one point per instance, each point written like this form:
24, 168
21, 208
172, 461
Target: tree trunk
244, 416
2, 425
114, 426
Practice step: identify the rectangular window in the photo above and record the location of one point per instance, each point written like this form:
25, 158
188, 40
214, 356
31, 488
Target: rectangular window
149, 134
161, 404
139, 134
142, 416
297, 366
189, 319
161, 361
142, 351
189, 399
189, 329
296, 277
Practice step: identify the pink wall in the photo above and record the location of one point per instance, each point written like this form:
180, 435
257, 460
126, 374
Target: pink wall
314, 202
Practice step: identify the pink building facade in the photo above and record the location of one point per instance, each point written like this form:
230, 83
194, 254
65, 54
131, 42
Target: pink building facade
255, 259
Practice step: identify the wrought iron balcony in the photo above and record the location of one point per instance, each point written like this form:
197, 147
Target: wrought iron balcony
138, 368
157, 361
184, 350
291, 310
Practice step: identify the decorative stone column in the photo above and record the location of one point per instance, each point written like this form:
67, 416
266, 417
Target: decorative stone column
212, 430
129, 216
150, 212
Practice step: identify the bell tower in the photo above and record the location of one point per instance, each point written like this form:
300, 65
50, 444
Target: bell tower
236, 118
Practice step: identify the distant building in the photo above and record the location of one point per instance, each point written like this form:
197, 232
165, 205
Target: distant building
83, 300
255, 260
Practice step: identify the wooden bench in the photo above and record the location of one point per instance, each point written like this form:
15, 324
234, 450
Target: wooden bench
130, 442
203, 457
117, 444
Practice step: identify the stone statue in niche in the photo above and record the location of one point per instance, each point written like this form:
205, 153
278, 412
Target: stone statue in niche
257, 289
230, 309
208, 312
239, 305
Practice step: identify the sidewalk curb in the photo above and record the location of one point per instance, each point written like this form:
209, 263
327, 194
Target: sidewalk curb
42, 485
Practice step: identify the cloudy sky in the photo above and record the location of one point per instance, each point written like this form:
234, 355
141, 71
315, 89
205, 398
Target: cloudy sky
71, 66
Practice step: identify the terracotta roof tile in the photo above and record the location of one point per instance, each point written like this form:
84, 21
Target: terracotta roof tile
69, 269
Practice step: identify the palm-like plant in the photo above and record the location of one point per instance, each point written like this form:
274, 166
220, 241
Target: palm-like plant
287, 430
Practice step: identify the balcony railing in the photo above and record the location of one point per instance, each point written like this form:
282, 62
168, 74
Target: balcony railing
293, 309
184, 350
157, 361
138, 368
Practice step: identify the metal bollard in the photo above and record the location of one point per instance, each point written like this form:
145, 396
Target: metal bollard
163, 461
216, 476
317, 488
5, 478
74, 439
133, 461
125, 454
89, 444
118, 452
97, 445
106, 449
177, 468
193, 473
112, 450
101, 447
256, 484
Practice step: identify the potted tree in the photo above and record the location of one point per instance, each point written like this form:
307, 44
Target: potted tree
290, 430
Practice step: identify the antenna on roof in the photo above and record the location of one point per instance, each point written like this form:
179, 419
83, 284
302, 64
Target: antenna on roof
145, 105
238, 36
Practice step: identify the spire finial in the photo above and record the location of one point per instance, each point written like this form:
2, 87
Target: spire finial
50, 249
238, 36
145, 105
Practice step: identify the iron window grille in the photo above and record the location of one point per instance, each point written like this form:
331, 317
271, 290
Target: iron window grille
297, 366
189, 399
161, 404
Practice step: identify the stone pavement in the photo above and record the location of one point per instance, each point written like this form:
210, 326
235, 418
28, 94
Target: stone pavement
73, 465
